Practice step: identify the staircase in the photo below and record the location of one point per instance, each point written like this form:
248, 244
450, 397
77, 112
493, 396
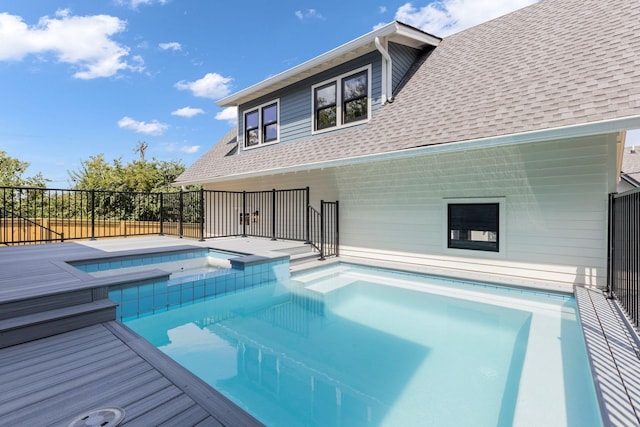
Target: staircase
303, 257
33, 318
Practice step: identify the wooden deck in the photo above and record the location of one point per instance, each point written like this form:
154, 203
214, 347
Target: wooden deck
62, 353
52, 380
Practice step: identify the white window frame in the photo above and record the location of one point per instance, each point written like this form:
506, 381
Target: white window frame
259, 108
338, 81
502, 231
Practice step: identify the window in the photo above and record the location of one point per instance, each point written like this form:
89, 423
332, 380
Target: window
473, 226
354, 98
261, 125
325, 100
342, 101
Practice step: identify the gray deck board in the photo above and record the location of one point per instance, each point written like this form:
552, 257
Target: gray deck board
614, 363
191, 416
52, 380
49, 381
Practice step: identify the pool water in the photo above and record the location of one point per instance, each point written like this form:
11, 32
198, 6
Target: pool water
354, 346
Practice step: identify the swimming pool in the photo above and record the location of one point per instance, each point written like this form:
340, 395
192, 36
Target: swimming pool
355, 346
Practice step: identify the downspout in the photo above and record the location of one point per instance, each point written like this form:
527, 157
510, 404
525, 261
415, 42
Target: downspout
388, 84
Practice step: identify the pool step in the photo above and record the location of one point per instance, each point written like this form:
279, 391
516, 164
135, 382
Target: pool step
41, 324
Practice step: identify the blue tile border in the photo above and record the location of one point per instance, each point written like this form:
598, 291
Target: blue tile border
145, 297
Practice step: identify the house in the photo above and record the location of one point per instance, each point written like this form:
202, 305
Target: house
489, 153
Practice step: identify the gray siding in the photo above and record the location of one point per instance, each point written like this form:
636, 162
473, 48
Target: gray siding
403, 58
295, 100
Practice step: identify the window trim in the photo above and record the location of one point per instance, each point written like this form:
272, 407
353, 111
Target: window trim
262, 141
502, 235
338, 81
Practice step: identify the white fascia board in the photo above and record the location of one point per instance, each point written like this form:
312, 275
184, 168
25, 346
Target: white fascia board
565, 132
384, 31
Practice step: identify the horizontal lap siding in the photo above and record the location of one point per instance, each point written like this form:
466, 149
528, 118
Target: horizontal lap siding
556, 208
403, 58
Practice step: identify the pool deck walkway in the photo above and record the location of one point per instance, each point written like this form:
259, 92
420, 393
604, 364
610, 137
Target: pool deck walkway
53, 379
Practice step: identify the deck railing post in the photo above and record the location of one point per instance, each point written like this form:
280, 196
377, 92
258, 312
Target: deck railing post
273, 214
308, 216
610, 246
161, 216
93, 215
243, 215
181, 213
337, 239
322, 230
201, 215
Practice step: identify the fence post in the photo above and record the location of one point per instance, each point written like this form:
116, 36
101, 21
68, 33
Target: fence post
93, 215
181, 216
337, 243
161, 214
201, 215
610, 243
321, 230
243, 214
273, 215
308, 217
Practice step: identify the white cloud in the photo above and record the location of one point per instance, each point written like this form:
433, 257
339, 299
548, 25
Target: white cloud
309, 13
446, 17
154, 128
187, 112
83, 41
382, 9
379, 25
212, 86
170, 46
133, 4
190, 149
230, 114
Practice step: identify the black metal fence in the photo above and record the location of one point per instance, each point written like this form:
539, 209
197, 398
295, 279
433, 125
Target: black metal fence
38, 215
324, 229
624, 251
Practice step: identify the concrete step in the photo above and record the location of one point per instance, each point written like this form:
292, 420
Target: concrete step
297, 248
29, 327
300, 258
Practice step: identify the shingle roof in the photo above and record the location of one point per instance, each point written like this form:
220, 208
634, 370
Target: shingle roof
553, 64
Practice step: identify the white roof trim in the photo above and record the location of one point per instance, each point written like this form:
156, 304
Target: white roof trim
573, 131
393, 28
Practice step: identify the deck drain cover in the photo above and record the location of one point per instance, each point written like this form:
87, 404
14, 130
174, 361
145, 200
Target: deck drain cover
104, 417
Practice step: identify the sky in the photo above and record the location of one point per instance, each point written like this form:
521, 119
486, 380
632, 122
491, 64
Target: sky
80, 78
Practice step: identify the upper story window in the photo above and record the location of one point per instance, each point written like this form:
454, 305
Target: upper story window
342, 101
261, 125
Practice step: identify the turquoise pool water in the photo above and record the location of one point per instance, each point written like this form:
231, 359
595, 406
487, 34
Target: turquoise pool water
353, 346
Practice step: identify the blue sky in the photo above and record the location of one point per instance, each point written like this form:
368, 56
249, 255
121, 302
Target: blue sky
79, 78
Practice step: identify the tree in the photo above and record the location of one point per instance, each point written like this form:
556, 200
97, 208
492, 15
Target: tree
137, 176
12, 171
